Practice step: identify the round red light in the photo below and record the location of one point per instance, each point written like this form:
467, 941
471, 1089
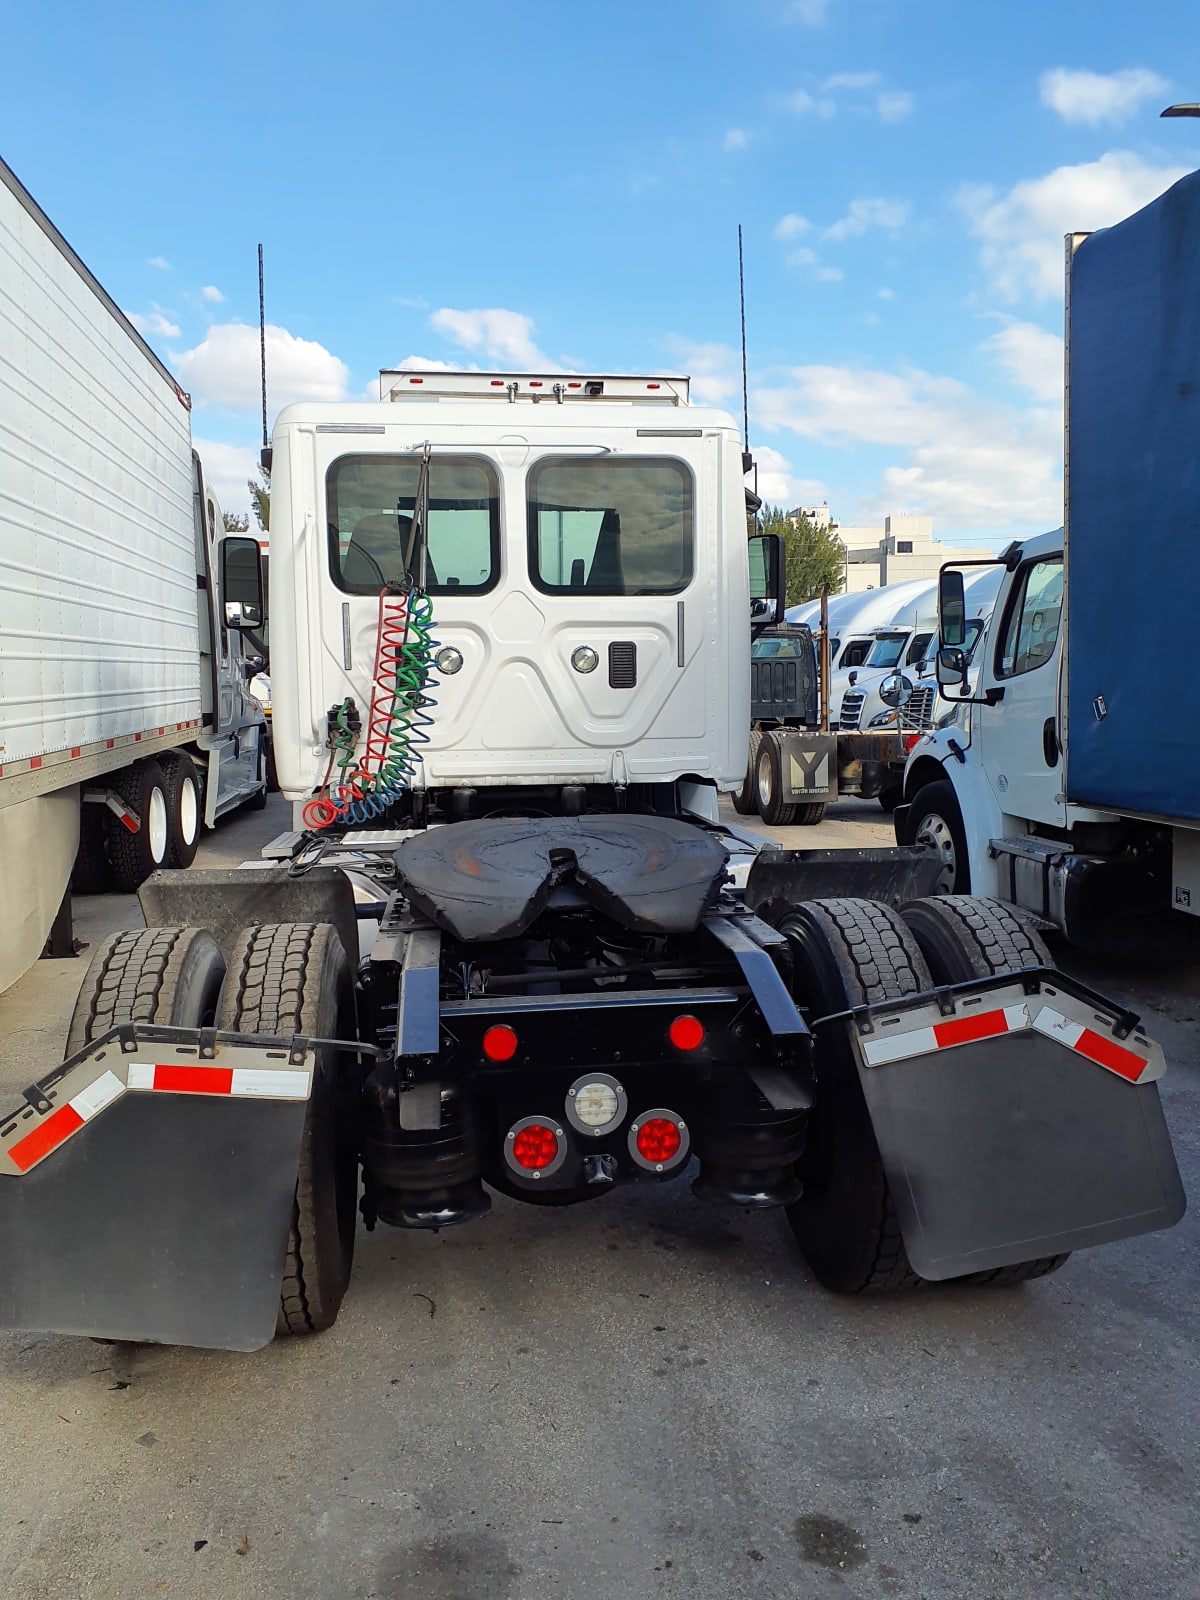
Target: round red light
536, 1146
658, 1140
686, 1033
500, 1043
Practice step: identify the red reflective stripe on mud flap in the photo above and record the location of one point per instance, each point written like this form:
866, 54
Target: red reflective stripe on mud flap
194, 1080
1105, 1053
965, 1030
59, 1125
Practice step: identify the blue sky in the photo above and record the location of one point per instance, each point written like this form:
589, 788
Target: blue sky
502, 185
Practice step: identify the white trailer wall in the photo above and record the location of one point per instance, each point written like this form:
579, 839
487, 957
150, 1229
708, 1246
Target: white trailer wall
98, 626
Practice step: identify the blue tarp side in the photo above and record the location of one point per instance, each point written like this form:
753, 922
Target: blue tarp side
1133, 586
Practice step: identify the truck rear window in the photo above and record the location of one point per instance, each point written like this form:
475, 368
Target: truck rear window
370, 502
610, 526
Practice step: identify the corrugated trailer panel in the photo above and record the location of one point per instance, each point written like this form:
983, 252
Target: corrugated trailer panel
1133, 495
98, 628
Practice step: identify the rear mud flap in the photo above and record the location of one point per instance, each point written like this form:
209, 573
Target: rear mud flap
146, 1189
1016, 1118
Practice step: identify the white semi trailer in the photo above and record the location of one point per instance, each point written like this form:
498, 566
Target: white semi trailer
124, 718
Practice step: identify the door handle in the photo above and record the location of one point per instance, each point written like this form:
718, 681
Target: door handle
1050, 741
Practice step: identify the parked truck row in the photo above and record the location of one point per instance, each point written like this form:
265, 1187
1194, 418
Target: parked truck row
125, 722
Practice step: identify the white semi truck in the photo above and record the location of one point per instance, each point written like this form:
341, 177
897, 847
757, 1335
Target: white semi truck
504, 949
1069, 782
124, 718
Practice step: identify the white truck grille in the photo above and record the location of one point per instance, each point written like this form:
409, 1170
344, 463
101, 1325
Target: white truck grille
917, 714
851, 712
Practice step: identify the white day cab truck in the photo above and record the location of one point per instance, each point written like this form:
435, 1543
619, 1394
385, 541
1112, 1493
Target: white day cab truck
510, 948
1069, 782
124, 718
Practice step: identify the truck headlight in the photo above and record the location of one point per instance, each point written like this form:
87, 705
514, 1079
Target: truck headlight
882, 719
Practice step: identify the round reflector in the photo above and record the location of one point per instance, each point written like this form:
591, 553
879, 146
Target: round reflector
500, 1043
686, 1033
535, 1147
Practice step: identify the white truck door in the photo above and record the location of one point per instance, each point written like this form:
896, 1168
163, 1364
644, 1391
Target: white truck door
1017, 738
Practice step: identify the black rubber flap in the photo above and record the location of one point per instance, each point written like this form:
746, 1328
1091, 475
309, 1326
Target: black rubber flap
164, 1219
491, 879
1014, 1148
780, 879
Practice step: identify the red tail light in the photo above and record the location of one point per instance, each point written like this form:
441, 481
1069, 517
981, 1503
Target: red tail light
500, 1042
659, 1140
686, 1033
535, 1147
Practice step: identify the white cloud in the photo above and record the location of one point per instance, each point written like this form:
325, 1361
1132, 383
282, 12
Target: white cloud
223, 370
829, 274
803, 103
153, 324
851, 80
1021, 232
735, 139
211, 293
790, 226
1032, 357
160, 262
1096, 97
966, 461
426, 364
869, 213
894, 105
715, 369
778, 484
228, 468
804, 257
885, 294
504, 336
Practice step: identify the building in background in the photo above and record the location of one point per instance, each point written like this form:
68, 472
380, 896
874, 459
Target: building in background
902, 549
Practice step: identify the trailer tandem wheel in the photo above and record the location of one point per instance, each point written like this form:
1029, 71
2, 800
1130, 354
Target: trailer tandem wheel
848, 953
768, 778
166, 975
133, 856
964, 937
294, 978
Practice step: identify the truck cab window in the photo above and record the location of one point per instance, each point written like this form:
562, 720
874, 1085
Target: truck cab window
370, 503
1031, 625
610, 526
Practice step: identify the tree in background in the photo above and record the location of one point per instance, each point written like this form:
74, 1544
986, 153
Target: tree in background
813, 555
260, 499
235, 522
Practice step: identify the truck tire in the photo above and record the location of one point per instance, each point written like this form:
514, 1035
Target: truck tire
184, 810
768, 779
891, 797
935, 819
91, 873
166, 975
258, 800
293, 978
132, 857
961, 938
848, 953
745, 799
809, 813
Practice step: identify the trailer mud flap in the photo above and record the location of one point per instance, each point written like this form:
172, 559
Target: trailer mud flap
1016, 1119
146, 1189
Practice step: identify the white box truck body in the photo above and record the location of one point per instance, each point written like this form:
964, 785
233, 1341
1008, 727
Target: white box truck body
108, 540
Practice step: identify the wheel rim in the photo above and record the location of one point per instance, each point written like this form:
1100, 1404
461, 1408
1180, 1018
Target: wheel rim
935, 831
764, 780
189, 811
157, 823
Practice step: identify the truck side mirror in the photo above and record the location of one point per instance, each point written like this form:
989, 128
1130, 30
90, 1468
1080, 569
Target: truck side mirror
241, 583
766, 577
896, 690
952, 608
951, 667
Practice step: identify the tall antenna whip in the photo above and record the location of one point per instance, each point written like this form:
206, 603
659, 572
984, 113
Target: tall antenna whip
745, 391
262, 341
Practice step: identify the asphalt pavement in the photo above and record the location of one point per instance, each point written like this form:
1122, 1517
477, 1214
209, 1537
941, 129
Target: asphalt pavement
641, 1396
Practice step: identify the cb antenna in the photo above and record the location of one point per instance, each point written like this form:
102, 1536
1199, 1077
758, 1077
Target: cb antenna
262, 343
747, 460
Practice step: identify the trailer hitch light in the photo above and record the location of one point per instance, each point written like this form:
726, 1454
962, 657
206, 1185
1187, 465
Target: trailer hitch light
686, 1033
500, 1042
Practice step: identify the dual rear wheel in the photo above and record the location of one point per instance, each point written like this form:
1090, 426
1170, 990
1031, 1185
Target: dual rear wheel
163, 794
